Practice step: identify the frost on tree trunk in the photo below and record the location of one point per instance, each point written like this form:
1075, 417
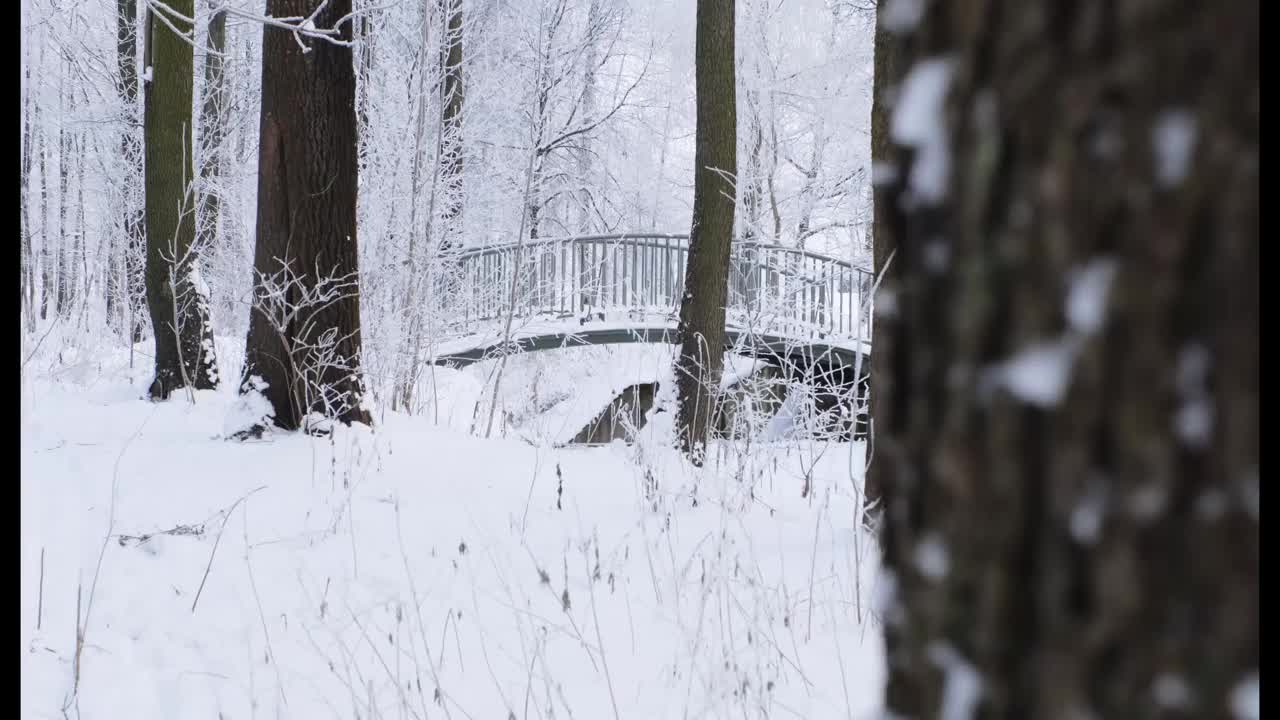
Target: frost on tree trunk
46, 254
213, 127
304, 331
702, 316
62, 300
176, 296
134, 290
1066, 372
451, 99
28, 256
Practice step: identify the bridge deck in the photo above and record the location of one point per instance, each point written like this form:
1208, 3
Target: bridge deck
550, 335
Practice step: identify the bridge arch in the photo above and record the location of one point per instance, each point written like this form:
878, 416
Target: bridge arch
789, 304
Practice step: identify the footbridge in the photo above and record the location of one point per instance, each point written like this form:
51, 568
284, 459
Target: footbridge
801, 309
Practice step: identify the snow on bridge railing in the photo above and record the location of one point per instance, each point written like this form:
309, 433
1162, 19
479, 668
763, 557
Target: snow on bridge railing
771, 288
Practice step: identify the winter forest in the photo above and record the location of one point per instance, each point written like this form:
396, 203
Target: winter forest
639, 358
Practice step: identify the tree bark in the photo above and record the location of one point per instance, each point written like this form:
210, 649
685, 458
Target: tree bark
366, 57
752, 180
1066, 360
583, 153
133, 251
213, 128
47, 279
451, 99
80, 279
176, 298
306, 227
702, 313
64, 180
28, 256
881, 241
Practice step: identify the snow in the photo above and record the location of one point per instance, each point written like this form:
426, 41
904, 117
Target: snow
919, 121
1149, 501
1211, 504
246, 411
491, 334
885, 598
962, 687
901, 16
932, 558
1087, 296
1194, 422
886, 305
937, 256
1173, 139
1039, 374
1193, 368
1171, 691
416, 570
1087, 516
883, 173
1245, 699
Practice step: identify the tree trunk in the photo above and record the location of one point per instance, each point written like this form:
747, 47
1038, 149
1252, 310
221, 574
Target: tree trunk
451, 97
366, 56
176, 297
64, 180
47, 280
809, 191
881, 241
1067, 369
304, 342
79, 284
702, 314
28, 256
583, 153
213, 128
133, 252
411, 336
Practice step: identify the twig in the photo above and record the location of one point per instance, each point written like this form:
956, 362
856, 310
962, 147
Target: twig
82, 624
226, 516
80, 627
40, 597
271, 655
595, 618
422, 628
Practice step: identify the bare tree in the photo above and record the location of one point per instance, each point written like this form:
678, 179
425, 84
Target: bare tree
133, 291
47, 277
702, 314
66, 106
213, 126
303, 347
566, 111
1067, 369
367, 38
28, 255
176, 296
451, 99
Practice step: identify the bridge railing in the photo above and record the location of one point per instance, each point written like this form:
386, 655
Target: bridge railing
641, 276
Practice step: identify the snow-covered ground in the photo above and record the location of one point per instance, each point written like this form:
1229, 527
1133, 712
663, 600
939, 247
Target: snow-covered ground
419, 571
